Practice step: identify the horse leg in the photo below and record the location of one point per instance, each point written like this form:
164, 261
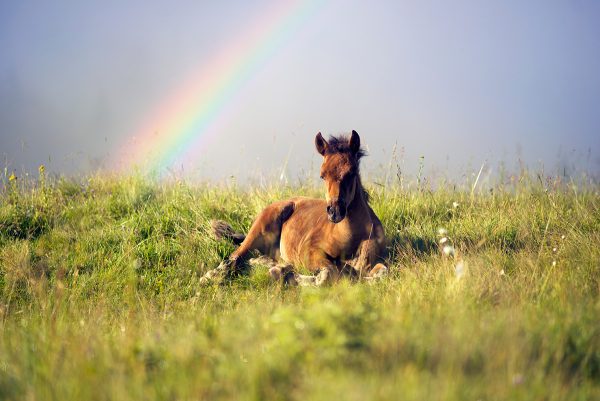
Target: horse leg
377, 272
306, 281
284, 273
279, 272
326, 275
264, 236
365, 261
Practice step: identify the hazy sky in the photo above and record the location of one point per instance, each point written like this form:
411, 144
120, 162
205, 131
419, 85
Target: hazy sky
457, 82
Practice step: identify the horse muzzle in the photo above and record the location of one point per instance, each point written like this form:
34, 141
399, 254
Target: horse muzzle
336, 212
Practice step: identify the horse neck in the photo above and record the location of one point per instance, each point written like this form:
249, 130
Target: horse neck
359, 205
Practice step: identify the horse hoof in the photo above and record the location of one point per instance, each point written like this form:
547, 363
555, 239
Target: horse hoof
211, 276
323, 278
305, 281
381, 272
378, 272
289, 278
206, 279
218, 274
283, 274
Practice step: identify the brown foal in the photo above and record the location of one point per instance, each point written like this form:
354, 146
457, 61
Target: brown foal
331, 237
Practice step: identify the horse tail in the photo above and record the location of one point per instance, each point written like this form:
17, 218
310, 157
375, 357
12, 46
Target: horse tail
223, 230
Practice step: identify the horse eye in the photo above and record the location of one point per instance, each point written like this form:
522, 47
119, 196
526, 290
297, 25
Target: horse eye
322, 177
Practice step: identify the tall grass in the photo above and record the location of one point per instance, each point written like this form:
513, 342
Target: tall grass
99, 297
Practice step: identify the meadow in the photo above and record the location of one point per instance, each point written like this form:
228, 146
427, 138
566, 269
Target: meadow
492, 294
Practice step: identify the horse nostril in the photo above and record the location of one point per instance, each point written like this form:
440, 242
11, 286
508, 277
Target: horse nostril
328, 209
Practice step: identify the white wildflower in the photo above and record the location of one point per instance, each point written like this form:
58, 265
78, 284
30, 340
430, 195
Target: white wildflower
448, 250
455, 204
443, 240
442, 231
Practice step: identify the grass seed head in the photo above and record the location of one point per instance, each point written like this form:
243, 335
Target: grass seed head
459, 269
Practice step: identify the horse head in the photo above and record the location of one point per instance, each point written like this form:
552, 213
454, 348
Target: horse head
341, 157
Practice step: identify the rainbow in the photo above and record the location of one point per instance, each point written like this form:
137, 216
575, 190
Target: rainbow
187, 120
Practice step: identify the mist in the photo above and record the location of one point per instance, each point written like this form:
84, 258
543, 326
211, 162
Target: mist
449, 86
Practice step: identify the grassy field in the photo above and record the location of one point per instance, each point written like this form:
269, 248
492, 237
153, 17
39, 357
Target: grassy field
99, 297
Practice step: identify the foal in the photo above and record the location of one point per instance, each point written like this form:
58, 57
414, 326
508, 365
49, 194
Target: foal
339, 235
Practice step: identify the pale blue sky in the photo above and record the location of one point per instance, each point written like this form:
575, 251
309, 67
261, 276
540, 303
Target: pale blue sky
456, 82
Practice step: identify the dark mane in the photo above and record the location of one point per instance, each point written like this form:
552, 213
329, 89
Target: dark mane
341, 144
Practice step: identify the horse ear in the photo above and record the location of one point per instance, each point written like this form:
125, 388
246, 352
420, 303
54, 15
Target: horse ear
354, 142
321, 144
